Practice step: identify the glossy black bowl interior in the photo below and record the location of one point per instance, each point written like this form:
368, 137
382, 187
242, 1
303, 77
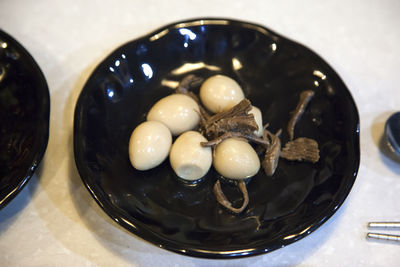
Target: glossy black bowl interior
273, 71
24, 117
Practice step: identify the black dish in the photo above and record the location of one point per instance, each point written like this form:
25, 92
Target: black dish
392, 132
24, 117
185, 219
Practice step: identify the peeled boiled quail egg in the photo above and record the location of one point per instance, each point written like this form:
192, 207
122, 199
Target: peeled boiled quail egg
219, 93
188, 158
258, 118
149, 145
236, 159
178, 112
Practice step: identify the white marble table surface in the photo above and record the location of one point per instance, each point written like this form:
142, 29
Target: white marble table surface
55, 222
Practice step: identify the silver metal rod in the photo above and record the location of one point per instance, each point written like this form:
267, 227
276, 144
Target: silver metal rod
384, 237
384, 225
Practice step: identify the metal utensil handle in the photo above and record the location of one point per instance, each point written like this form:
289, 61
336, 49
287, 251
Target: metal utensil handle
384, 225
384, 237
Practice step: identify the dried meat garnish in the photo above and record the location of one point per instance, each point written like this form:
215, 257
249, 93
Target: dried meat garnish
272, 152
301, 149
305, 97
236, 119
221, 198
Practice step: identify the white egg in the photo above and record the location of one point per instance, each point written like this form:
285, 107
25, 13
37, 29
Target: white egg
180, 113
236, 159
219, 93
149, 145
188, 158
258, 117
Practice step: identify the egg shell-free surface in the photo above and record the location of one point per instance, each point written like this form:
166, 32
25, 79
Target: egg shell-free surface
180, 113
220, 93
188, 158
149, 145
236, 159
258, 118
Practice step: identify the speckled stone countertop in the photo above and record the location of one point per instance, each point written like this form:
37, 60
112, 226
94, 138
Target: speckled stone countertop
54, 221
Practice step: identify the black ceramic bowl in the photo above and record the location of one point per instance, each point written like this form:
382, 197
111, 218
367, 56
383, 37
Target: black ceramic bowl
24, 117
273, 71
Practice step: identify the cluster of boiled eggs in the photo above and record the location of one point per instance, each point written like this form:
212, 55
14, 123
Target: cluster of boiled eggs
177, 115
